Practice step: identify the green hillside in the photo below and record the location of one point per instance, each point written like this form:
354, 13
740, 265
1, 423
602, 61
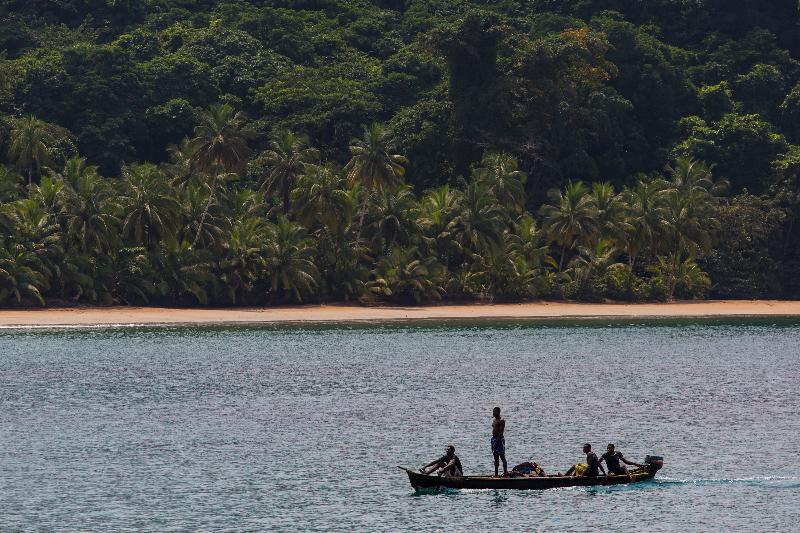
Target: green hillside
259, 152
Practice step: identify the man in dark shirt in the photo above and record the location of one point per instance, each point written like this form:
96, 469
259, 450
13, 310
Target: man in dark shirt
592, 464
448, 465
613, 458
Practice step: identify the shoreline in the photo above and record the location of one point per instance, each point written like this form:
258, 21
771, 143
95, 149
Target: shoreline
331, 314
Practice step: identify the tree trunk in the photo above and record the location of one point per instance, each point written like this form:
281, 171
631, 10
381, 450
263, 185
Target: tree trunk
286, 200
563, 255
361, 216
203, 219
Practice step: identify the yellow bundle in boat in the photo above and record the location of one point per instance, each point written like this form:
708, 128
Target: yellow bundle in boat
580, 468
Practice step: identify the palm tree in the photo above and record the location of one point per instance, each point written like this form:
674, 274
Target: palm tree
8, 221
419, 280
288, 157
500, 172
593, 260
478, 225
150, 211
645, 218
688, 228
87, 207
185, 272
79, 279
673, 272
695, 178
38, 234
47, 193
341, 259
392, 217
525, 241
182, 159
29, 148
437, 210
611, 211
75, 169
10, 184
220, 140
373, 166
406, 276
212, 182
505, 274
245, 259
321, 197
19, 278
243, 203
204, 220
571, 218
218, 151
290, 262
132, 276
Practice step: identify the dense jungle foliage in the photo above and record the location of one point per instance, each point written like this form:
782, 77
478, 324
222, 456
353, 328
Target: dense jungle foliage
241, 152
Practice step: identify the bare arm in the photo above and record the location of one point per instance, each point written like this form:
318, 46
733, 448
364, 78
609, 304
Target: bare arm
630, 462
425, 468
600, 466
437, 465
588, 466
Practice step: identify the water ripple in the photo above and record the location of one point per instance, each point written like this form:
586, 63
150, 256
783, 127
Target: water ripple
300, 428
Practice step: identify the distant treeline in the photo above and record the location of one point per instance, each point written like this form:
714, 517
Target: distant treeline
253, 152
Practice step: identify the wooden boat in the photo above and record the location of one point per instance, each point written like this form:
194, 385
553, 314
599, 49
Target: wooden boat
423, 481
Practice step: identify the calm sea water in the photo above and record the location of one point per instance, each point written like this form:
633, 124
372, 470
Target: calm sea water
301, 428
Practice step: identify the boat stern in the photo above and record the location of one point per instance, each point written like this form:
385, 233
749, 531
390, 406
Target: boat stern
654, 463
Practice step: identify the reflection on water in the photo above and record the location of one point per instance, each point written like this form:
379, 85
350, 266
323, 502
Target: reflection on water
499, 496
301, 428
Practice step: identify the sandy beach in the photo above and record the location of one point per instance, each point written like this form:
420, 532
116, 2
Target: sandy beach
130, 316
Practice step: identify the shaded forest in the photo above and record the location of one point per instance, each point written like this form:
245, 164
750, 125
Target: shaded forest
200, 152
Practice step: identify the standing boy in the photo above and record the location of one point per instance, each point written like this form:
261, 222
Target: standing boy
499, 441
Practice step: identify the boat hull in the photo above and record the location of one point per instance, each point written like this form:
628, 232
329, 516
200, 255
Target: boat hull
422, 481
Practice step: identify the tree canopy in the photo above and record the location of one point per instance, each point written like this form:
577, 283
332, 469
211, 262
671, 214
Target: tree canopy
243, 151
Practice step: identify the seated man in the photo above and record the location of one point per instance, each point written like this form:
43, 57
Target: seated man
613, 458
590, 468
448, 465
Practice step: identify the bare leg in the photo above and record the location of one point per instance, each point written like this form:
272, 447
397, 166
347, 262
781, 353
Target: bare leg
496, 463
570, 471
505, 465
430, 469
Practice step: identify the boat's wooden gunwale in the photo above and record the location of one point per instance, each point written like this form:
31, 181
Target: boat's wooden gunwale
420, 481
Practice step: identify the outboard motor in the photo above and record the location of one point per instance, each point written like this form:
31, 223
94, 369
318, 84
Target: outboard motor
654, 463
